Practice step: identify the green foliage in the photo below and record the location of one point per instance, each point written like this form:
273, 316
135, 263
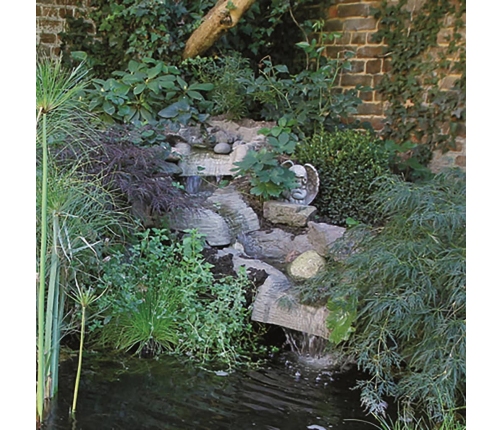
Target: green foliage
348, 162
137, 94
271, 28
132, 30
419, 109
310, 96
227, 74
75, 216
267, 176
408, 279
163, 297
409, 160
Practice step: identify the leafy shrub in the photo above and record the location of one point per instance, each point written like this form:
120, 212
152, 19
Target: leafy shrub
310, 96
131, 30
348, 162
267, 176
229, 95
406, 284
162, 296
137, 94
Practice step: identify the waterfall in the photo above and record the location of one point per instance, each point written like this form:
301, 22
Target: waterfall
304, 344
192, 184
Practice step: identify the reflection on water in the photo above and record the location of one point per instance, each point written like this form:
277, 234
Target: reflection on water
146, 394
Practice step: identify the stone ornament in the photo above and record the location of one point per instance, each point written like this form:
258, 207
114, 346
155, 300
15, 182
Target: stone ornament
307, 180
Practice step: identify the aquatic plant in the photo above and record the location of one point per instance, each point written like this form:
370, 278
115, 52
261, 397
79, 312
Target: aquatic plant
74, 215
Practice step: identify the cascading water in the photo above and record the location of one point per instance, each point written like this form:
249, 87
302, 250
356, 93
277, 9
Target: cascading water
304, 344
192, 184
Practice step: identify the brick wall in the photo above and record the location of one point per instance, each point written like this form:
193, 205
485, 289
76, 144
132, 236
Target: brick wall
355, 20
51, 15
352, 18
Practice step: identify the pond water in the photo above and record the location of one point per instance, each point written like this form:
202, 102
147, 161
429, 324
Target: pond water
169, 393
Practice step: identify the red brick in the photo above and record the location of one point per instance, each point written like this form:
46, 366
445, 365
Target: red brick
48, 25
64, 13
387, 65
373, 67
358, 38
334, 51
370, 109
48, 38
370, 51
349, 80
344, 40
332, 11
357, 66
351, 10
365, 96
333, 25
356, 24
50, 11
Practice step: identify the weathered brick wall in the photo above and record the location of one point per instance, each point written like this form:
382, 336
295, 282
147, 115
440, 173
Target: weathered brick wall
355, 21
51, 19
353, 18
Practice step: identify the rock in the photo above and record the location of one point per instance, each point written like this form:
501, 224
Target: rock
322, 236
275, 304
222, 148
240, 217
169, 168
288, 213
306, 265
207, 222
274, 245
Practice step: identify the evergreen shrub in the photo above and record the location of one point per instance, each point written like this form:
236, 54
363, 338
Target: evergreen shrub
348, 162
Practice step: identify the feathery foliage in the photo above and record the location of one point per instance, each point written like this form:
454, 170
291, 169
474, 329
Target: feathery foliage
406, 284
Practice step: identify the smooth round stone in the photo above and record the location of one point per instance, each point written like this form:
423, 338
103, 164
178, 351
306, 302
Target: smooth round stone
222, 148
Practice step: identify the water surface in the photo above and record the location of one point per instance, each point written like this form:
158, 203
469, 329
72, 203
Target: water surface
169, 393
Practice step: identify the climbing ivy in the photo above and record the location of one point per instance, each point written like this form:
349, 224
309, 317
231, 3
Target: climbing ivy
419, 111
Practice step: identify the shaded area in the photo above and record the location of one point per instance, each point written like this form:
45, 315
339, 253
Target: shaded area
131, 393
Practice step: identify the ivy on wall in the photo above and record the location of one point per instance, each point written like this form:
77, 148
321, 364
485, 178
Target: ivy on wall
419, 110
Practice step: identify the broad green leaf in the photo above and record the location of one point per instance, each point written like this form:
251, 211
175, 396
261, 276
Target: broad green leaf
195, 95
138, 89
201, 87
152, 73
108, 107
133, 66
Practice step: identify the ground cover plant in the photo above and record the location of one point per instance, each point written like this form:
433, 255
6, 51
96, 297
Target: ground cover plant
397, 297
162, 297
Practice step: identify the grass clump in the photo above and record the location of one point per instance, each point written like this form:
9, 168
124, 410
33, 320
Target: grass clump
163, 297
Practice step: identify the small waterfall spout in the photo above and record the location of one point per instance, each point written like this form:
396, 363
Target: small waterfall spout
305, 345
192, 184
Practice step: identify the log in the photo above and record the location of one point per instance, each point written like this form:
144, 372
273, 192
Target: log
223, 16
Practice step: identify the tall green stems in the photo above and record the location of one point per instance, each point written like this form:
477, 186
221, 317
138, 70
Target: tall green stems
79, 368
41, 273
85, 298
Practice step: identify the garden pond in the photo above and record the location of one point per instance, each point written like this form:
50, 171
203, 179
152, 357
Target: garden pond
131, 393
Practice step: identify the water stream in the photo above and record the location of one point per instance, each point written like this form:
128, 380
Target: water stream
170, 393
